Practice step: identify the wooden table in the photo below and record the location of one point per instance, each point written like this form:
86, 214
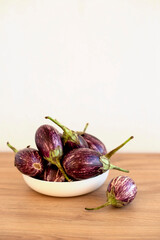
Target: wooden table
26, 214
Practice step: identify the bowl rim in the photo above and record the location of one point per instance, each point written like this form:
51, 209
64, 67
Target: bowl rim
72, 182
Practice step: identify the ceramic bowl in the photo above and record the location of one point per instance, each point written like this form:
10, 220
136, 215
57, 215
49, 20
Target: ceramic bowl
66, 189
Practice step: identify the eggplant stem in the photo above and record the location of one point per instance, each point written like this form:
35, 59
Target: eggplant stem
10, 146
96, 208
62, 171
57, 123
56, 161
107, 165
109, 155
85, 128
67, 133
118, 168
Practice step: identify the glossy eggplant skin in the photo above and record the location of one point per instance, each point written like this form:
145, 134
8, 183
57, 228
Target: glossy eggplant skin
53, 174
94, 143
69, 145
48, 139
28, 161
82, 163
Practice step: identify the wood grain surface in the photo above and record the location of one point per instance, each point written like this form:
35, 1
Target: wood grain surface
26, 214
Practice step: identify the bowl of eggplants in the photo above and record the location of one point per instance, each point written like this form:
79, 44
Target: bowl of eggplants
65, 164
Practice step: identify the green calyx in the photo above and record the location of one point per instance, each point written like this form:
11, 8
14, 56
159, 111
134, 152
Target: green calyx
68, 135
112, 199
54, 158
56, 153
107, 165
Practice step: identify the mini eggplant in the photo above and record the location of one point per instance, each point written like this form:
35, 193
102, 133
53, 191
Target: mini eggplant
48, 141
28, 161
71, 139
94, 143
70, 145
50, 146
85, 163
53, 174
120, 192
82, 163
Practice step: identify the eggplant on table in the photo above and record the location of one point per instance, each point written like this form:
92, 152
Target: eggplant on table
85, 163
121, 191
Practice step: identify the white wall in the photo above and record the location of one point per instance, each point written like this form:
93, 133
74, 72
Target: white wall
81, 61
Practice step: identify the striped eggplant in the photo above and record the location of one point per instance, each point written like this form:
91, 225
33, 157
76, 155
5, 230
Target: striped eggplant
28, 161
94, 143
48, 141
120, 192
53, 174
50, 146
85, 163
70, 138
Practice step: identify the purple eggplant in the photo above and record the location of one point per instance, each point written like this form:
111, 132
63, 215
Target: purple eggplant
70, 145
120, 192
94, 143
85, 163
70, 138
28, 161
48, 141
53, 174
50, 146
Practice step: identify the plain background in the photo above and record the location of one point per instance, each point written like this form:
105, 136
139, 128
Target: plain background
81, 61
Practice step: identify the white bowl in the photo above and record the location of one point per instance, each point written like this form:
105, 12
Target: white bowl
66, 189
